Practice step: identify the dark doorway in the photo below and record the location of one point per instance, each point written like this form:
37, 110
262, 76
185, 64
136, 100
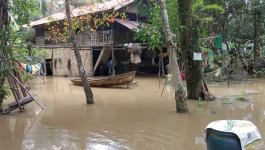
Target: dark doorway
49, 67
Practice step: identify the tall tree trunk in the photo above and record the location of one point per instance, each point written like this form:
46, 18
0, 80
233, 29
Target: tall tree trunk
82, 72
189, 43
256, 36
181, 101
3, 14
3, 21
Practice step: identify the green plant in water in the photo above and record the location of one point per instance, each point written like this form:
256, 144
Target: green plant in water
200, 102
237, 82
227, 102
242, 96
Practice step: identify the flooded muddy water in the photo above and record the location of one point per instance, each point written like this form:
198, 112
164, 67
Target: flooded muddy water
124, 119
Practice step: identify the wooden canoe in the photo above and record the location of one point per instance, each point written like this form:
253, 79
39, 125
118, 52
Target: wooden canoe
121, 79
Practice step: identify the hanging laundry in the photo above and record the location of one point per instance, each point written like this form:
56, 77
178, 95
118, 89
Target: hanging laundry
182, 76
35, 68
218, 41
205, 53
135, 59
22, 66
41, 68
28, 68
136, 50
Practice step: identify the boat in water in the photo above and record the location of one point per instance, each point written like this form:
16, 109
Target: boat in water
122, 79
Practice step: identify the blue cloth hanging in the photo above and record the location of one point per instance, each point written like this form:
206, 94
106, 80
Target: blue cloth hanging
29, 69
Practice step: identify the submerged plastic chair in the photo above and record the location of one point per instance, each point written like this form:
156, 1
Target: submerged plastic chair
232, 135
218, 140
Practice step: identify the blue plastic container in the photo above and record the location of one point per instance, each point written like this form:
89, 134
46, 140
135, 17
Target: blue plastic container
218, 140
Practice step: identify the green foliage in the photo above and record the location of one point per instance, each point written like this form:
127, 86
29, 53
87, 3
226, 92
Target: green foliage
235, 25
196, 5
22, 10
5, 50
242, 96
89, 21
51, 65
207, 19
4, 91
13, 45
3, 60
43, 7
153, 32
213, 6
27, 77
200, 11
15, 50
209, 57
260, 72
23, 51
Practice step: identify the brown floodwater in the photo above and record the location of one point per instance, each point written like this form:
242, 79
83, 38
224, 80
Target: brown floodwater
124, 119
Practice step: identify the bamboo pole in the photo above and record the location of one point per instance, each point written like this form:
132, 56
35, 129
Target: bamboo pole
159, 70
15, 92
113, 68
164, 87
163, 66
28, 91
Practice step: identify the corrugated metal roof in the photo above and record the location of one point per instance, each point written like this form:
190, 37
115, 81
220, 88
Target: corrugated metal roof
133, 24
112, 4
128, 24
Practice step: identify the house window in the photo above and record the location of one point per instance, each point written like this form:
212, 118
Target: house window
94, 38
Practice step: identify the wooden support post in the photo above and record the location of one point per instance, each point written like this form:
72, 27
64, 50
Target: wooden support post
98, 61
112, 34
113, 63
164, 87
163, 67
159, 70
27, 91
81, 37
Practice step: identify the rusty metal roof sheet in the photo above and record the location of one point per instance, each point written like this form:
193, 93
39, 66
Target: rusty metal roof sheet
128, 24
112, 4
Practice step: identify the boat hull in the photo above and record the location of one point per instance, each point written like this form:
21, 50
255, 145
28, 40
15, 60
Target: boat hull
125, 78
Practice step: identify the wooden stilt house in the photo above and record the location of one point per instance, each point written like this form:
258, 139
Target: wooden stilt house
97, 48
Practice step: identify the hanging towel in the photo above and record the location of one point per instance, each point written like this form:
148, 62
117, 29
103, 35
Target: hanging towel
29, 69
